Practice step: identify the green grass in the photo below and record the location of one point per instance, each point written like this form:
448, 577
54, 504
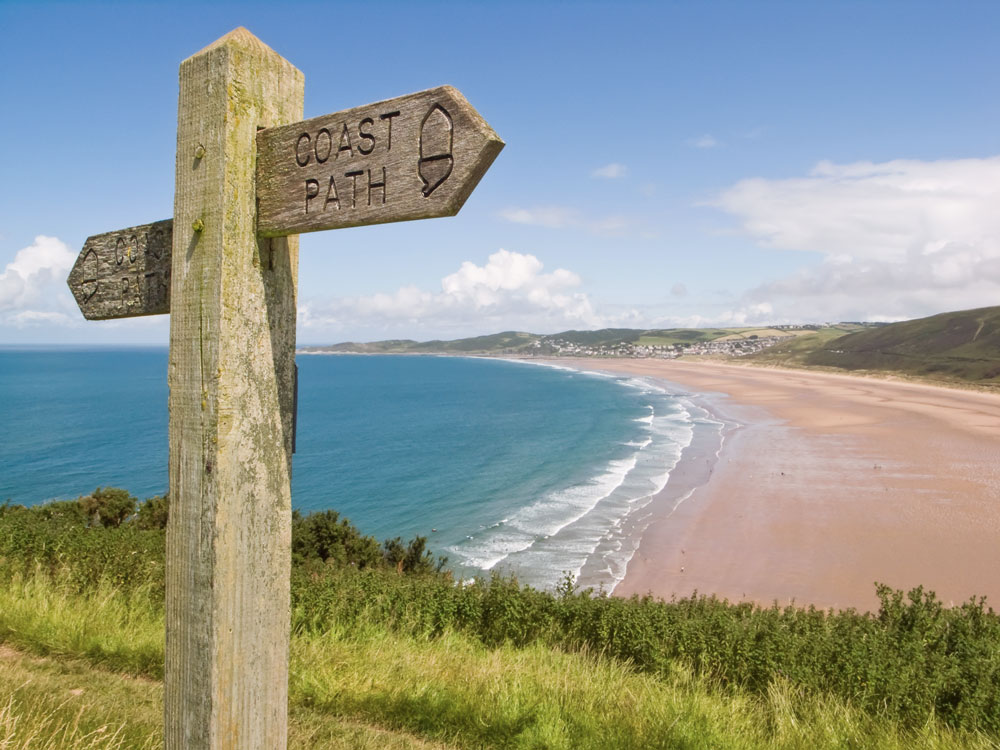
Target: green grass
912, 660
795, 352
456, 689
391, 659
374, 686
46, 703
109, 627
68, 704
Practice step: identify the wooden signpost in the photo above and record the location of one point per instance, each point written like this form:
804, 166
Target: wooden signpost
249, 177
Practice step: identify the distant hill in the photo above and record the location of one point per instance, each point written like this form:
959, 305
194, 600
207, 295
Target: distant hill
508, 342
605, 342
959, 346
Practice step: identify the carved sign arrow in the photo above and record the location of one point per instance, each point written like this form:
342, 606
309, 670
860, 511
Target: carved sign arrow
414, 157
124, 274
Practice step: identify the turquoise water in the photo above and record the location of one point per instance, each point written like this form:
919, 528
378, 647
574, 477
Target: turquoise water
502, 465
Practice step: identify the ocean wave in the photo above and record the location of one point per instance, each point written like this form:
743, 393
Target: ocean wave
636, 444
648, 419
598, 548
564, 368
644, 385
591, 529
590, 524
544, 518
553, 513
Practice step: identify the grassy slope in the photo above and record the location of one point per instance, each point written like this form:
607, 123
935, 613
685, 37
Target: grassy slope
68, 703
497, 342
795, 352
911, 663
959, 346
369, 687
49, 703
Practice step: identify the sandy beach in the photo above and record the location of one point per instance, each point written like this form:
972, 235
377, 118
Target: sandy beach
827, 484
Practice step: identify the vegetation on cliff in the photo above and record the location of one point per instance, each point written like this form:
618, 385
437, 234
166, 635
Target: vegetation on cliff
80, 581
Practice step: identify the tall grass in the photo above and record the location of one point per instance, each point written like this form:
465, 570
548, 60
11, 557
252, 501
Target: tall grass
456, 689
68, 704
913, 660
495, 664
111, 627
368, 683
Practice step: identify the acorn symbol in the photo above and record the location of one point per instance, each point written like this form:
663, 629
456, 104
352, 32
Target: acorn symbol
437, 135
89, 268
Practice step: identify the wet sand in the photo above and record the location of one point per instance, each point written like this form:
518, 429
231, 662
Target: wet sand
828, 484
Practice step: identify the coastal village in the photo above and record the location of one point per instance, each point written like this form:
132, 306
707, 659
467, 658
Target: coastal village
730, 347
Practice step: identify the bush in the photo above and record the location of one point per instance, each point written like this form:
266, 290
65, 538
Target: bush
57, 539
153, 513
108, 506
327, 538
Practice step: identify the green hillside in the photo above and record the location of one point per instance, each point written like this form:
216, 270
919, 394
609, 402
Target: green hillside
958, 346
388, 652
508, 342
603, 337
671, 336
374, 347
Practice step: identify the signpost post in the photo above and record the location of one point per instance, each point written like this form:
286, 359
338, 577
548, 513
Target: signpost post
249, 177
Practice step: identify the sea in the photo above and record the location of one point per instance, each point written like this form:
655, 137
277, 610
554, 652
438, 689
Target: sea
535, 470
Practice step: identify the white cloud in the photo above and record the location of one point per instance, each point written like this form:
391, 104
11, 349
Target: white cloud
898, 239
26, 279
611, 171
510, 291
704, 141
33, 288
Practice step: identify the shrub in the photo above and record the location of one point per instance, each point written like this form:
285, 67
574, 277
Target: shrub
153, 513
107, 506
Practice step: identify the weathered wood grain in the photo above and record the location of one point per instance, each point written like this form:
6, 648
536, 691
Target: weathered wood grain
413, 157
231, 378
124, 274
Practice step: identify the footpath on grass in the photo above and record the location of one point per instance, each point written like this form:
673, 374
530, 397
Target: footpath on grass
67, 704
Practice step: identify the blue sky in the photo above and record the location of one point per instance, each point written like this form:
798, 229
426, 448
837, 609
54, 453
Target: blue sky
666, 163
